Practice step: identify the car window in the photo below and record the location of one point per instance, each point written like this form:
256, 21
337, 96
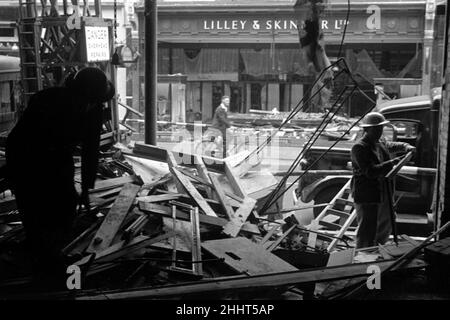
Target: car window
406, 129
388, 133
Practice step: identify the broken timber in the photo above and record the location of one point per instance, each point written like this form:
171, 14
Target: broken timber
114, 219
123, 248
233, 227
160, 154
250, 283
208, 220
221, 195
246, 257
194, 193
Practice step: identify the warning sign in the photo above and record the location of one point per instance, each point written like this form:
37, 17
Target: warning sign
97, 44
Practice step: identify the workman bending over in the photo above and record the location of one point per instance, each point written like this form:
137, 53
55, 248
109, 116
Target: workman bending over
40, 168
371, 162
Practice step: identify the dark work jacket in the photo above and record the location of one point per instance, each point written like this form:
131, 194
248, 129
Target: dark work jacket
40, 148
220, 120
369, 170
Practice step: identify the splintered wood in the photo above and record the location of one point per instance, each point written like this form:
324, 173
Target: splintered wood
197, 219
114, 219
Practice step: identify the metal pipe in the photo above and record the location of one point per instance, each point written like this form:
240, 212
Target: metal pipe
151, 70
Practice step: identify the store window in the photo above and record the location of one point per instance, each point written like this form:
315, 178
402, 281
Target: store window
218, 91
255, 96
237, 98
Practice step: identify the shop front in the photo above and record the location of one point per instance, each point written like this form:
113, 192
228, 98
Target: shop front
251, 51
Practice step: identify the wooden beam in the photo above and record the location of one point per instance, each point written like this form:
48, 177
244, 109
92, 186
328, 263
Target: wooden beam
234, 181
212, 203
196, 196
102, 185
250, 283
222, 198
207, 220
197, 268
172, 162
160, 154
241, 166
203, 173
114, 219
237, 200
159, 197
123, 248
240, 217
281, 238
269, 234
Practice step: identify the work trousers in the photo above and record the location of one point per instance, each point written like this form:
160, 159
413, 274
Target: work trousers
374, 222
48, 223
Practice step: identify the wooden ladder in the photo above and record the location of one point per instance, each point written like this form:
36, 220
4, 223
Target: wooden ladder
337, 216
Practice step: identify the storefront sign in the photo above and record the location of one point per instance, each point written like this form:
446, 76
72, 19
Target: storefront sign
373, 22
97, 44
269, 24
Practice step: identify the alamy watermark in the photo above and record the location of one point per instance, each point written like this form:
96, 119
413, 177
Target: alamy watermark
73, 281
204, 143
373, 282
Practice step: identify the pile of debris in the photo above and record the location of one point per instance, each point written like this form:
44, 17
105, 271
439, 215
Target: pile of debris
173, 224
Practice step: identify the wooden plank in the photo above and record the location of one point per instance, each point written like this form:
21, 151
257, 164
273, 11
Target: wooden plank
203, 173
196, 196
269, 234
207, 220
234, 199
171, 161
114, 219
222, 198
278, 241
240, 217
107, 193
235, 182
246, 257
240, 164
160, 154
186, 198
339, 258
101, 185
159, 198
249, 284
197, 268
154, 184
123, 248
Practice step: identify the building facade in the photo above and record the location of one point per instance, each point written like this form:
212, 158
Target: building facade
249, 50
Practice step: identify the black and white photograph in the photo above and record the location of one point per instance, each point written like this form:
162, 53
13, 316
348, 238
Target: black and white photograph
238, 158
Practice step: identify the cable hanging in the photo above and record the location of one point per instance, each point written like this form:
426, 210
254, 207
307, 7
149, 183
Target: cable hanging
326, 151
269, 202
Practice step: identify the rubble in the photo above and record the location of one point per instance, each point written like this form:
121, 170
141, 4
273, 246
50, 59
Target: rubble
173, 224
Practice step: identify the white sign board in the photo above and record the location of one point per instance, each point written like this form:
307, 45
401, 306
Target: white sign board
97, 44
